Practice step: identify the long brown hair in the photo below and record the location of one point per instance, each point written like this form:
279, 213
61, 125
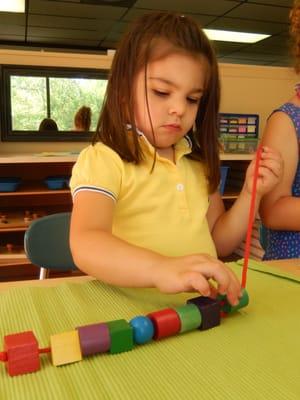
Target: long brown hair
134, 52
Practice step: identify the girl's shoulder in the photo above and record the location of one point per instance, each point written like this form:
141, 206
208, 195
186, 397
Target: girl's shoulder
98, 152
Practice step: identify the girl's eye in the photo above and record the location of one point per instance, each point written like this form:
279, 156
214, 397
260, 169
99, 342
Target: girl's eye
192, 100
160, 93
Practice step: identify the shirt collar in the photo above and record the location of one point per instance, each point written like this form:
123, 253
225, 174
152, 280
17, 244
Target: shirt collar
183, 147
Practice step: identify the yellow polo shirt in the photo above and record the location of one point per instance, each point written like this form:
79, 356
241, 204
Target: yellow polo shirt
164, 211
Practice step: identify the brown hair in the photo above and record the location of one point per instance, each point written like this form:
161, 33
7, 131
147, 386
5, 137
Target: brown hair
134, 52
295, 33
48, 125
82, 119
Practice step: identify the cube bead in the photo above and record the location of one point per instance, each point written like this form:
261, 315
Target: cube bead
65, 348
121, 336
210, 310
22, 353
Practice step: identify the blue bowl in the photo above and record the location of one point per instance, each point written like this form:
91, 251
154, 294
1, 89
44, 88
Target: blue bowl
9, 184
224, 172
67, 181
55, 182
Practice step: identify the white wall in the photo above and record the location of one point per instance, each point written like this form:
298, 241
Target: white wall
245, 89
255, 89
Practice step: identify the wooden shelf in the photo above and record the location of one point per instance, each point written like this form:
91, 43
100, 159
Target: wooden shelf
47, 157
14, 221
62, 157
34, 188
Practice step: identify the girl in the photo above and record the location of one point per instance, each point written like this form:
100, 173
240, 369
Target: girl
280, 208
82, 119
147, 211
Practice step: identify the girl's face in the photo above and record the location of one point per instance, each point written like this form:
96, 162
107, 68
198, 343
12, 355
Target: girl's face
175, 84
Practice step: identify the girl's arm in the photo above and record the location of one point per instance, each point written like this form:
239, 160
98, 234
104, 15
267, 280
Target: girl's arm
99, 253
229, 228
279, 209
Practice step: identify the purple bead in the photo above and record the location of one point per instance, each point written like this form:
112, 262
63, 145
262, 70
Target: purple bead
94, 338
210, 310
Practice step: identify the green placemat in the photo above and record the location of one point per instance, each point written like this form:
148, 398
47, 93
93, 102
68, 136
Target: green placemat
253, 355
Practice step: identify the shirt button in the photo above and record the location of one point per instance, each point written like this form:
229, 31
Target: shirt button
180, 187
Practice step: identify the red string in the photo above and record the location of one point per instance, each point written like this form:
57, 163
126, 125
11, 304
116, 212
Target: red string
251, 218
3, 356
45, 350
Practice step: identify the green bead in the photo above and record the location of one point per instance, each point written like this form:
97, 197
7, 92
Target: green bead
121, 335
228, 308
190, 317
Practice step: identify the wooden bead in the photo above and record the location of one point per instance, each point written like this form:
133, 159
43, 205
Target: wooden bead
22, 353
228, 308
190, 317
210, 310
121, 336
166, 323
143, 329
94, 338
65, 348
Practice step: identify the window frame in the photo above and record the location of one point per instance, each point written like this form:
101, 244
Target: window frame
7, 70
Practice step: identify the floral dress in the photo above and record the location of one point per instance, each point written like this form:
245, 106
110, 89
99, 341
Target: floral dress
286, 244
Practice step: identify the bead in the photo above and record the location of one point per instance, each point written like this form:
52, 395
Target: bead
210, 310
143, 329
166, 323
121, 335
94, 338
22, 353
65, 348
228, 308
190, 317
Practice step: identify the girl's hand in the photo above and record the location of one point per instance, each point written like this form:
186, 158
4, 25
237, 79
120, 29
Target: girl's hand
192, 273
269, 173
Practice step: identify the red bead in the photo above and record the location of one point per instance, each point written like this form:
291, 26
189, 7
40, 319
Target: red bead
166, 323
22, 353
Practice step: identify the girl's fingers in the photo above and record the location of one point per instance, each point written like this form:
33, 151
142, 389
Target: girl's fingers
197, 282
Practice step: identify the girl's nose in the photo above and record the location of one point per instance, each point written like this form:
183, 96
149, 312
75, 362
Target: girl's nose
177, 108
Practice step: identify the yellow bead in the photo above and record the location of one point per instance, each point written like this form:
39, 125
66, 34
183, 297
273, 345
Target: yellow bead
65, 348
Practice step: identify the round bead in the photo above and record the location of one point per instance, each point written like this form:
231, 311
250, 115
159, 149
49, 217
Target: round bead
143, 329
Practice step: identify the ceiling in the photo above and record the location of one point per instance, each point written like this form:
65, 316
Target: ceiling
96, 25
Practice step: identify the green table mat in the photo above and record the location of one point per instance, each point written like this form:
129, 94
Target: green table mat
254, 354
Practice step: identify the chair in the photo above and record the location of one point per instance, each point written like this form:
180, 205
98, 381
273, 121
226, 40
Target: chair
263, 236
46, 244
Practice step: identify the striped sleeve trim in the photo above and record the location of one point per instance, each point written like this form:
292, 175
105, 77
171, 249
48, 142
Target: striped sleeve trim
94, 189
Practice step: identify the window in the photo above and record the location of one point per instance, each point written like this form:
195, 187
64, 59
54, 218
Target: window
31, 95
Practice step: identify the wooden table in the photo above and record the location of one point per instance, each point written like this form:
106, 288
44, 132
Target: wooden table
292, 266
253, 354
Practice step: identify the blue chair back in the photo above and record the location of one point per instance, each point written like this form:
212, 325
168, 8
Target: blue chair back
263, 236
46, 242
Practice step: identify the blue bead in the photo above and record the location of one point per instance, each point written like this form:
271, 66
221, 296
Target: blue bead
143, 329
